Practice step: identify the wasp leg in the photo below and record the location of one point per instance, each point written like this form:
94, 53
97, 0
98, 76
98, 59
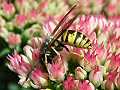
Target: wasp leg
55, 51
46, 62
27, 77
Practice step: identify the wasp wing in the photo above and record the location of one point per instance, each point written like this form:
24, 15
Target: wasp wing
63, 20
64, 24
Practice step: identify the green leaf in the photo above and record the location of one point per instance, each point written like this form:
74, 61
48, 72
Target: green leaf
4, 52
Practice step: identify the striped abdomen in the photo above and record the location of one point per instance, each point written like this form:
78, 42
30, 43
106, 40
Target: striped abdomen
76, 39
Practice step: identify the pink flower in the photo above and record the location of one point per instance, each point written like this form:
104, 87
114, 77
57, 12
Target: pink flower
102, 22
43, 5
89, 60
57, 69
112, 9
20, 20
69, 84
8, 8
87, 24
96, 76
36, 54
14, 39
39, 77
114, 41
100, 64
36, 42
72, 84
32, 54
100, 51
86, 85
114, 61
32, 15
114, 21
19, 64
110, 80
49, 25
112, 38
28, 67
90, 56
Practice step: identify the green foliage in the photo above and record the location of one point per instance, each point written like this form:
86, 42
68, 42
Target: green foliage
72, 64
55, 85
13, 86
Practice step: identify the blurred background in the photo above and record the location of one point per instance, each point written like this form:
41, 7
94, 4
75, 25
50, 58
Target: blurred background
20, 20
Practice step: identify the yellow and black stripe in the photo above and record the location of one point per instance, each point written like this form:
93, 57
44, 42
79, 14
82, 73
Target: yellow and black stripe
76, 39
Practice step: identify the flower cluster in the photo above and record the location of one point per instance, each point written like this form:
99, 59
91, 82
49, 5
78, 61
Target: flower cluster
78, 69
24, 24
106, 7
20, 20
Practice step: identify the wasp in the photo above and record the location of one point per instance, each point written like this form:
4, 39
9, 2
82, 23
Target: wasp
61, 36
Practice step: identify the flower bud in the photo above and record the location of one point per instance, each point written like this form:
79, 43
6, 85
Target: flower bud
14, 39
9, 26
80, 73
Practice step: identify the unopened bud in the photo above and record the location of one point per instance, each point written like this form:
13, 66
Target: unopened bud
80, 73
